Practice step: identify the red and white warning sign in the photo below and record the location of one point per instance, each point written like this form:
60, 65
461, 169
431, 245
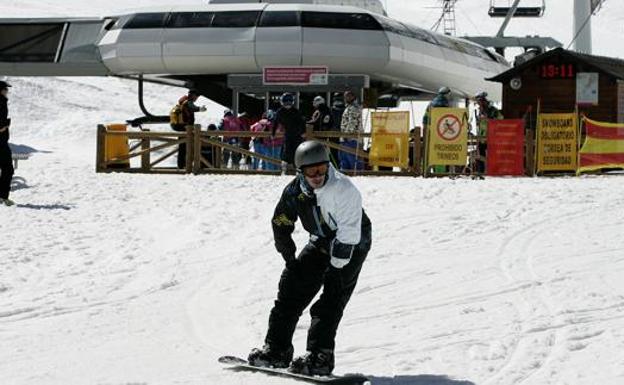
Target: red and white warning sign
295, 75
449, 127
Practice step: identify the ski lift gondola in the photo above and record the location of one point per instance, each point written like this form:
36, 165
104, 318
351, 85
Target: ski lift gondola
497, 10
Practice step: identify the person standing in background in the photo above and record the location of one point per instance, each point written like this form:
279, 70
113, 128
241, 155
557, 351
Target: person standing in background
322, 117
486, 111
351, 124
337, 110
6, 161
260, 144
274, 144
245, 142
292, 122
182, 115
231, 123
440, 100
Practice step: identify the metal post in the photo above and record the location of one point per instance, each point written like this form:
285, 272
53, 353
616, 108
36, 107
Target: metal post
512, 10
298, 98
582, 26
141, 103
145, 157
100, 154
189, 149
197, 146
235, 101
267, 101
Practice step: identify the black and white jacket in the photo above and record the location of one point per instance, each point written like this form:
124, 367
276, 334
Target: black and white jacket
332, 214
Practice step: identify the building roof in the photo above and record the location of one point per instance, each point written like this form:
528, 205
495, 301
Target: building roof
611, 66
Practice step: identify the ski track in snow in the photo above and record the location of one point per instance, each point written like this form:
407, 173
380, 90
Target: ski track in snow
118, 279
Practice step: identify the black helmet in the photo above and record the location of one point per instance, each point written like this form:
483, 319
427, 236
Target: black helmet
481, 96
309, 153
4, 85
287, 99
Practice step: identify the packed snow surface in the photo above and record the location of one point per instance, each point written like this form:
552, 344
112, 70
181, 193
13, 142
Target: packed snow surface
142, 279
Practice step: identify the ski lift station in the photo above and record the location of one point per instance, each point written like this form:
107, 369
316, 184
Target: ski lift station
222, 48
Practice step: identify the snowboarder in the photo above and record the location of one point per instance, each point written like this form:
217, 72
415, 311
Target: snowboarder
6, 161
289, 119
330, 209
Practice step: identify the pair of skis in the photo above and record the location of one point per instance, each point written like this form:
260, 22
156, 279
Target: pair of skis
348, 379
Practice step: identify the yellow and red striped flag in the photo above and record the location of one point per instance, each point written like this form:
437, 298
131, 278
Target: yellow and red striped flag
603, 146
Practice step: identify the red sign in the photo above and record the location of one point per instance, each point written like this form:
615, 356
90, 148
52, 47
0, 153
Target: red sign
505, 147
295, 75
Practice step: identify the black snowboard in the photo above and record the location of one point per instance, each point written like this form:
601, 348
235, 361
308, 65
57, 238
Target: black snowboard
348, 379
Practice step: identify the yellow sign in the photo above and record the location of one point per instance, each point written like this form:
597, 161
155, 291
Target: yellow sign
557, 141
390, 139
448, 137
117, 146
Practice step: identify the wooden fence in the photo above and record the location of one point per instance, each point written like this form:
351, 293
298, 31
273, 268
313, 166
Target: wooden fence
145, 143
164, 145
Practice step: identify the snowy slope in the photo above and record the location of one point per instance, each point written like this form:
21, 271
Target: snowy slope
139, 279
117, 279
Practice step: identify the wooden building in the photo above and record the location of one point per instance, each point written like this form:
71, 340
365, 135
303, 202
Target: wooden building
561, 79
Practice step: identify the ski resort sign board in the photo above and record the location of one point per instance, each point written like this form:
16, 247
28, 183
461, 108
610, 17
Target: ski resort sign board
557, 142
505, 152
447, 137
305, 75
390, 134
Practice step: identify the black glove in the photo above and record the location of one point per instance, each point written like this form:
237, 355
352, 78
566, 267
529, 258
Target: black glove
320, 243
341, 254
290, 260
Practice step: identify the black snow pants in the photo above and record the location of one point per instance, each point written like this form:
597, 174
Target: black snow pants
6, 171
289, 148
301, 280
182, 156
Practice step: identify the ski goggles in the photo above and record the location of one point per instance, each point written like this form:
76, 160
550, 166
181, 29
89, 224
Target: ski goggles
316, 170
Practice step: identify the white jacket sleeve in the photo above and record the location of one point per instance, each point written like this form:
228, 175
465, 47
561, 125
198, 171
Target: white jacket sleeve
348, 217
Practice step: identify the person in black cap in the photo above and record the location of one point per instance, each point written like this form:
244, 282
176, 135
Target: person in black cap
6, 162
290, 120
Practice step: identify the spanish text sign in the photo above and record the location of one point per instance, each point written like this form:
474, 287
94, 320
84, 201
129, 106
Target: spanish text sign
557, 142
448, 136
390, 139
505, 147
304, 75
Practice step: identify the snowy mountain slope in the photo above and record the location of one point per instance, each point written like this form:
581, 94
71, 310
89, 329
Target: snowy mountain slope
141, 279
122, 279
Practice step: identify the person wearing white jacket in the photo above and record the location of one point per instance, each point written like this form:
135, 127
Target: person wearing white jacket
330, 209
